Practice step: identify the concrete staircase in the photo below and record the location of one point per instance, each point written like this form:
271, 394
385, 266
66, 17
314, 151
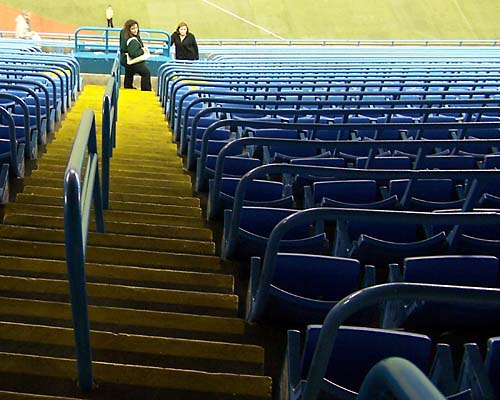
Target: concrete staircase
163, 314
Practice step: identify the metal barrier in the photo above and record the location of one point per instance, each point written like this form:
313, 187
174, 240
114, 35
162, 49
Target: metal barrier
108, 39
399, 377
109, 117
78, 199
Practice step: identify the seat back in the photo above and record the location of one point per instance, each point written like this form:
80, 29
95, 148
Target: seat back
492, 364
480, 271
318, 277
357, 349
349, 191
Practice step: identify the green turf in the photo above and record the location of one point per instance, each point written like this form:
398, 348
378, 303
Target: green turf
292, 19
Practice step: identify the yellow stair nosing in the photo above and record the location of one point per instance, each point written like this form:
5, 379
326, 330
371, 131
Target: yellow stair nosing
30, 198
122, 292
125, 227
124, 241
110, 215
6, 395
124, 316
142, 376
110, 255
164, 346
124, 272
181, 183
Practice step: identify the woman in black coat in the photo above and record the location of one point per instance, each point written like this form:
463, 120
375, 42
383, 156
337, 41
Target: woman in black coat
185, 44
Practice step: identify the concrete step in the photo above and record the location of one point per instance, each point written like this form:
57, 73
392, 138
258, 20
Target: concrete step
128, 296
135, 206
156, 351
120, 274
110, 240
141, 381
130, 161
126, 228
125, 320
5, 395
52, 196
112, 215
59, 173
175, 181
114, 256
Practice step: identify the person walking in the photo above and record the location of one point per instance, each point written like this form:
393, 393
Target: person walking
132, 47
109, 16
185, 44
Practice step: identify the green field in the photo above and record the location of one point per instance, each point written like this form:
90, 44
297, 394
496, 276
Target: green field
290, 19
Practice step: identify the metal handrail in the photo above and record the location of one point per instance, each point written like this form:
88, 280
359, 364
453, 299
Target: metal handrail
304, 42
110, 37
401, 378
78, 199
109, 116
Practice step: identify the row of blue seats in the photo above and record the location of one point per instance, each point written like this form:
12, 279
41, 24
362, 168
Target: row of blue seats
202, 112
318, 68
400, 124
424, 194
183, 92
285, 150
328, 78
36, 89
283, 282
300, 289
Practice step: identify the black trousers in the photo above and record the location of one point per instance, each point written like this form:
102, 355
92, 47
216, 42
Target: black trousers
110, 23
143, 71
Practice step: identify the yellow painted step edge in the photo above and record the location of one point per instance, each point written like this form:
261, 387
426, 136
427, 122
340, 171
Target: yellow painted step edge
164, 346
167, 378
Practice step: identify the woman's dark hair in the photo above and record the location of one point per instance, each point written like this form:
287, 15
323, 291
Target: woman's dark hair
126, 27
181, 24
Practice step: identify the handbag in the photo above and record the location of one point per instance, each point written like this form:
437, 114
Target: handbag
142, 57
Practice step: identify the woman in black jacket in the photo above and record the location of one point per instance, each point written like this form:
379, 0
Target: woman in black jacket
185, 44
131, 44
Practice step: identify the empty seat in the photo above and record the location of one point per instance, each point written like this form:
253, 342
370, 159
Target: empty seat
259, 193
305, 287
478, 271
347, 194
355, 351
426, 194
254, 227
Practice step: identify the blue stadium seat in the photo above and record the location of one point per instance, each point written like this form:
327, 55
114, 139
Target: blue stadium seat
305, 287
478, 271
347, 194
355, 351
254, 227
426, 194
260, 193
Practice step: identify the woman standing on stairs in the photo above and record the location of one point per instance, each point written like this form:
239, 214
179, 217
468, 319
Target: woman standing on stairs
131, 47
184, 43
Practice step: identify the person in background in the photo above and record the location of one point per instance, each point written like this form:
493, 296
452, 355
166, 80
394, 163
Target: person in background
131, 44
109, 16
185, 44
23, 26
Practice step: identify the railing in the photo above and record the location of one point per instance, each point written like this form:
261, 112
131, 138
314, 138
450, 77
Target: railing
349, 42
107, 40
399, 377
109, 117
78, 199
299, 42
